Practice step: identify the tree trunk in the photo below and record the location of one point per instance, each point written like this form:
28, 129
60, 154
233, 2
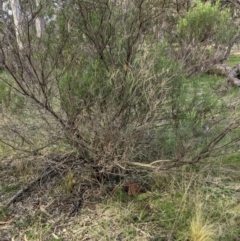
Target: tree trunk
39, 22
234, 76
220, 69
18, 19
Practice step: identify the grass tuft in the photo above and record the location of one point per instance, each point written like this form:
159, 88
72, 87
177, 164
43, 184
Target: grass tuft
200, 228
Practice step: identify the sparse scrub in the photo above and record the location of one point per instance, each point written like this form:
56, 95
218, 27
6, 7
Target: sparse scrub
119, 98
99, 102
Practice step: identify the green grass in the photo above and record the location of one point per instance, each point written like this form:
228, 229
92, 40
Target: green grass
10, 188
232, 160
233, 60
173, 213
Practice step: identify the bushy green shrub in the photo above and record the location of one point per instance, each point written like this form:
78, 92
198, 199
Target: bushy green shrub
112, 87
203, 37
206, 21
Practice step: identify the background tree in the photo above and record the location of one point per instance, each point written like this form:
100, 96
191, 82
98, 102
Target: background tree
18, 20
39, 21
204, 37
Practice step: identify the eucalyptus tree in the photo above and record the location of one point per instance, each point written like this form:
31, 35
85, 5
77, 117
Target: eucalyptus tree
18, 21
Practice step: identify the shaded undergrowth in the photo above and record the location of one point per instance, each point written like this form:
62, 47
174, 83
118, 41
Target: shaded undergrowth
188, 203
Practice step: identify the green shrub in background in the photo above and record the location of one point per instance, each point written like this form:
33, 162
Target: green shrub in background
206, 21
203, 37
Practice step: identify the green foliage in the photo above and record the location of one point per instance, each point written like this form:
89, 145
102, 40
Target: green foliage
10, 188
79, 87
232, 160
233, 60
9, 99
193, 106
4, 214
4, 94
206, 21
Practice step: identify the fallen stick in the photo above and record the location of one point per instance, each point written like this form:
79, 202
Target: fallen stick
152, 165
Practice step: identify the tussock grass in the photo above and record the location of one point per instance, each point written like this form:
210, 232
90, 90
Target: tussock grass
200, 228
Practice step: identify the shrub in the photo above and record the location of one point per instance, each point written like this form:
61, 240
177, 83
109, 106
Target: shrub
204, 36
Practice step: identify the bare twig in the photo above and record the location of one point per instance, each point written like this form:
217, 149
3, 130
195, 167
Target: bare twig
151, 165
